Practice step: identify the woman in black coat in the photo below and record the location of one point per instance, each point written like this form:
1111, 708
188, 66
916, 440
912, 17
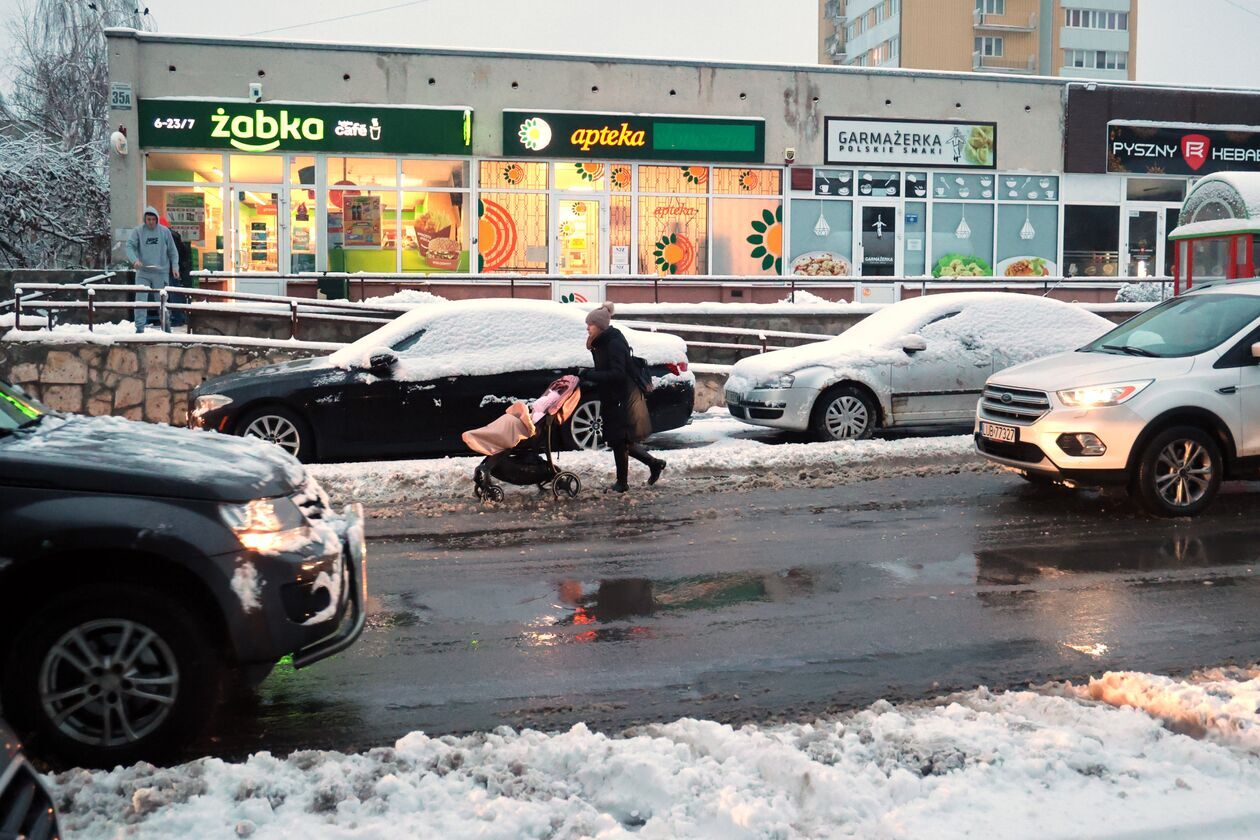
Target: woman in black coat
623, 407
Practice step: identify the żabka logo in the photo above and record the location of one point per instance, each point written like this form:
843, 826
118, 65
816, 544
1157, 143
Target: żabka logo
261, 126
1195, 149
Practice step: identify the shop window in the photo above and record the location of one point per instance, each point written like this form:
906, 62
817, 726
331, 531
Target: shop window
620, 177
962, 240
434, 231
363, 172
445, 174
196, 214
1091, 240
302, 170
1027, 241
747, 181
916, 185
581, 176
1155, 189
878, 184
1210, 259
914, 262
257, 230
195, 168
673, 234
948, 186
1014, 186
838, 182
513, 175
362, 231
821, 238
512, 232
256, 169
747, 236
303, 237
673, 179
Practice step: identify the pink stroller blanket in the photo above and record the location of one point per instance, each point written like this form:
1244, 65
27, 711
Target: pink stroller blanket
503, 433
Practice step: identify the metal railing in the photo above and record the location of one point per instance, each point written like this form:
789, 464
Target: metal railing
12, 302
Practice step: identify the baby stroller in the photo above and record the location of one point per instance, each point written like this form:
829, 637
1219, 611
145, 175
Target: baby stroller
518, 446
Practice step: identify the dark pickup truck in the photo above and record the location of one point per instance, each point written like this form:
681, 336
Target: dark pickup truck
143, 569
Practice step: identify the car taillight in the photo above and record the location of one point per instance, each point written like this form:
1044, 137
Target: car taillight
676, 368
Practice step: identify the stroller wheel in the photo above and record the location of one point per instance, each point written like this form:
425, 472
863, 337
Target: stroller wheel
568, 483
494, 493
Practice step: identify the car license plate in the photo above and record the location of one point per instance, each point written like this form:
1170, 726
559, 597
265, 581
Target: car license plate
1005, 434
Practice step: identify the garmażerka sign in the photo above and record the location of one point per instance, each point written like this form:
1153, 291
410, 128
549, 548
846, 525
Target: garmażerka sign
861, 140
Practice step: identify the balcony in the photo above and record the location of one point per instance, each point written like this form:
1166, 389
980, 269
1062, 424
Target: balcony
1002, 23
833, 11
836, 49
1001, 64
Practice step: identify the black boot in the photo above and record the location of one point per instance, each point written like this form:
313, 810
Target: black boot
655, 465
621, 457
656, 470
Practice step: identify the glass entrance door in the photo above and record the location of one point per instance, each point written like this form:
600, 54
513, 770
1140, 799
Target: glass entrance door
258, 233
1142, 244
579, 236
877, 254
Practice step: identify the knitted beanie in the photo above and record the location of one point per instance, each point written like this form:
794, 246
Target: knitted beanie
601, 316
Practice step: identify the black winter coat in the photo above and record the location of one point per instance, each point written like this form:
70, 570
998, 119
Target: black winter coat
622, 405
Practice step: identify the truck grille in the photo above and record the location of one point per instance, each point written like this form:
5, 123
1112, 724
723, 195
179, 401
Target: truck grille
25, 809
1014, 405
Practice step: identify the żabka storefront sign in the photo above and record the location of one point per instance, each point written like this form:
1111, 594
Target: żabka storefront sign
1181, 149
298, 127
862, 140
565, 134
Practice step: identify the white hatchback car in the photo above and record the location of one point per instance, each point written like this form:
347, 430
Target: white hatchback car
922, 361
1167, 403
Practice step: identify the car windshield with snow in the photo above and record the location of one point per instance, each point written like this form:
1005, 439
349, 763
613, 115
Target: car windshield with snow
417, 384
921, 362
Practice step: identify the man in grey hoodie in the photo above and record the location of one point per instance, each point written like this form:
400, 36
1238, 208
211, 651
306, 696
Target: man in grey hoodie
153, 255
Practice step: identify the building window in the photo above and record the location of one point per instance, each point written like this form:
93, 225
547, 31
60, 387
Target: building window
1091, 240
894, 48
1094, 19
1095, 59
991, 7
989, 46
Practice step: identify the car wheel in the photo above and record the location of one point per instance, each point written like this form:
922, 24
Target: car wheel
1180, 472
844, 413
112, 675
586, 427
281, 426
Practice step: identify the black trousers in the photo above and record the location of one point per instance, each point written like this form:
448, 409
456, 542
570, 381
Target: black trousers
623, 452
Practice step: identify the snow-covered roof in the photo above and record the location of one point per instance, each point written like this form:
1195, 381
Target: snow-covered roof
483, 337
1221, 204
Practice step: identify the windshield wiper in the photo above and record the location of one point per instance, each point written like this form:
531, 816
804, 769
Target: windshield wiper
1132, 351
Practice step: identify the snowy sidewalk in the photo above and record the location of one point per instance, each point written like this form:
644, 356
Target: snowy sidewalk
714, 456
1060, 762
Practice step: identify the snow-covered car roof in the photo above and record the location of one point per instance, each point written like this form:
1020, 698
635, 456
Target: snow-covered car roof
1021, 326
483, 337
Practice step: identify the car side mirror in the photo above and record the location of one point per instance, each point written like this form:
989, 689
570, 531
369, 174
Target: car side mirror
382, 364
1255, 350
913, 343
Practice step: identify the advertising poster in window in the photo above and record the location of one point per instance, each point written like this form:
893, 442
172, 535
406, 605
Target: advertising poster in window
362, 221
186, 215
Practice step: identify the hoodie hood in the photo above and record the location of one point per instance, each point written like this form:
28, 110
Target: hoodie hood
153, 210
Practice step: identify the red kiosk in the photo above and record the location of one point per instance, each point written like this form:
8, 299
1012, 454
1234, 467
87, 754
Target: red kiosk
1219, 235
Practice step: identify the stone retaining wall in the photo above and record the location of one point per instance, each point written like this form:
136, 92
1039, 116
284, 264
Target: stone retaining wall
137, 380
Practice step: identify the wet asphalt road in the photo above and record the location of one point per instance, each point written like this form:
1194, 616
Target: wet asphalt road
760, 605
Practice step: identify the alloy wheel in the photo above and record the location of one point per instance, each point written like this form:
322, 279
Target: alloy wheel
846, 417
108, 682
587, 426
275, 429
1183, 473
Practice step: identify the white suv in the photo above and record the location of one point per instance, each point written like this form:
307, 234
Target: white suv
1167, 403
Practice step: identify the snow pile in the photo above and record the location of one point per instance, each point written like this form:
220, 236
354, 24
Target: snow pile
726, 462
1012, 327
77, 331
484, 337
803, 297
1144, 292
1014, 764
407, 296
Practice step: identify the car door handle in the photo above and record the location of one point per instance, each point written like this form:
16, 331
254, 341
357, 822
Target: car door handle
1228, 389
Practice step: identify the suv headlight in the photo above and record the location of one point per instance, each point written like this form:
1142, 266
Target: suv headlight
1097, 396
777, 383
267, 526
210, 402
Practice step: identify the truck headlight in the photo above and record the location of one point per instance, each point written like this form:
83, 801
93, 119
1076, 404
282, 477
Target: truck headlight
210, 402
267, 526
776, 384
1097, 396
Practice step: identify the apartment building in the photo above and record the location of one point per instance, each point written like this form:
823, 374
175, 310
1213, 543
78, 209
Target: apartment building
1095, 39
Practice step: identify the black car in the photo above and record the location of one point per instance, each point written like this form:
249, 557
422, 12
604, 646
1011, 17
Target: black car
26, 809
144, 568
414, 386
